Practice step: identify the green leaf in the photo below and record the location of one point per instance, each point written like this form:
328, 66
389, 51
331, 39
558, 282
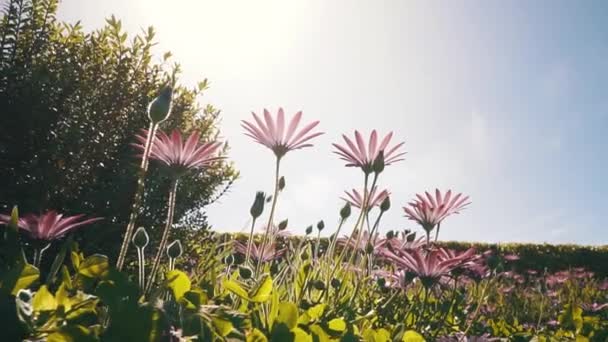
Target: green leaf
412, 336
235, 288
256, 336
44, 300
316, 312
178, 282
223, 327
71, 333
14, 222
75, 260
95, 266
29, 274
301, 336
288, 314
263, 292
319, 333
337, 324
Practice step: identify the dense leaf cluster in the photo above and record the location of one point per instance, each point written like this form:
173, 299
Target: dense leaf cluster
71, 102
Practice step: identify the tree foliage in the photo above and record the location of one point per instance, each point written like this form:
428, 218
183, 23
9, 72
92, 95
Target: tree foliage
71, 102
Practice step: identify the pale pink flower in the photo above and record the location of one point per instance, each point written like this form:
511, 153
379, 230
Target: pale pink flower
429, 266
429, 211
266, 254
375, 198
178, 154
376, 242
49, 226
273, 134
360, 155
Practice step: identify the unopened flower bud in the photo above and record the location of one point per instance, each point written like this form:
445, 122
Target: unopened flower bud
229, 260
345, 211
335, 283
411, 237
160, 108
283, 224
245, 272
319, 285
281, 183
140, 238
378, 164
369, 248
409, 276
386, 204
258, 205
320, 225
174, 250
308, 230
390, 234
381, 282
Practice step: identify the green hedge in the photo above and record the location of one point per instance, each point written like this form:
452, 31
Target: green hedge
532, 256
552, 257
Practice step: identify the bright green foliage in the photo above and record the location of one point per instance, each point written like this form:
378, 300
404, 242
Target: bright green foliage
71, 103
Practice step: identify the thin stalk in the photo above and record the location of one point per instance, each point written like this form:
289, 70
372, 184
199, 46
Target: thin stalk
171, 264
165, 237
437, 231
359, 220
540, 315
141, 261
364, 212
272, 209
445, 314
317, 245
38, 252
249, 242
424, 307
138, 197
332, 242
483, 293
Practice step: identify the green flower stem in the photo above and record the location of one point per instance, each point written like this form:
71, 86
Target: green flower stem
437, 231
317, 245
445, 314
138, 198
141, 263
165, 237
272, 209
38, 252
250, 242
364, 213
483, 293
360, 219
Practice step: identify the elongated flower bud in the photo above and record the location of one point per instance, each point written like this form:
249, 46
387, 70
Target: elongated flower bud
281, 183
345, 211
258, 205
320, 225
369, 248
378, 164
245, 272
386, 204
411, 237
283, 224
308, 230
140, 238
174, 250
160, 108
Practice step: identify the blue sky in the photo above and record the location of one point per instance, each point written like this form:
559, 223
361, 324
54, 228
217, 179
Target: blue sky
503, 100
